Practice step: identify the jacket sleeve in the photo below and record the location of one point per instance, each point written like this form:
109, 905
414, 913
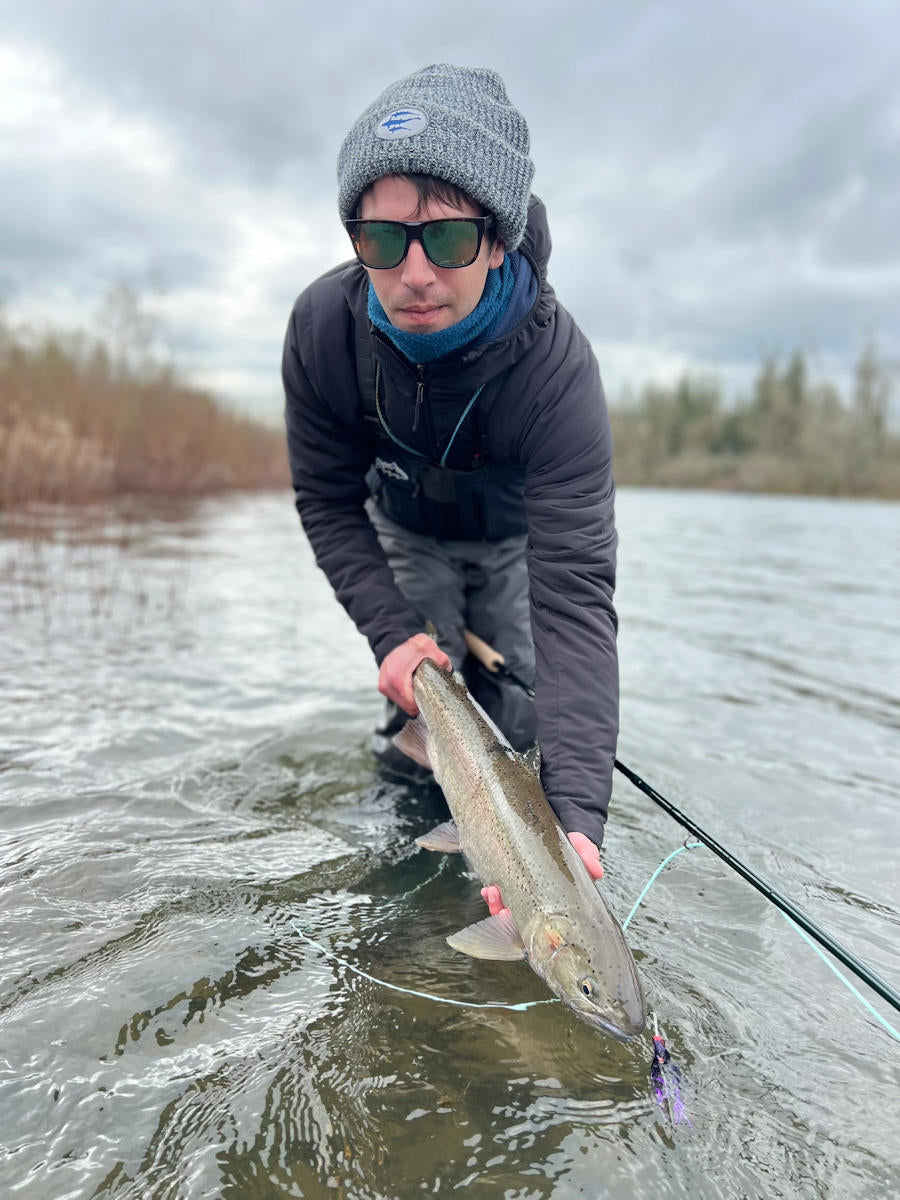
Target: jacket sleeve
569, 500
329, 455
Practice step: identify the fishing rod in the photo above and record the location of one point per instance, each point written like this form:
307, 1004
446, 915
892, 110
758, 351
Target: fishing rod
493, 662
856, 965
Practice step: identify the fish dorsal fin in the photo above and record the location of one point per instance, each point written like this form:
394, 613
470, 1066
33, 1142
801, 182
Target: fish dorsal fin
443, 838
494, 937
413, 741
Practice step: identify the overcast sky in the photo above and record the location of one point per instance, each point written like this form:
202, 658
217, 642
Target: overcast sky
722, 179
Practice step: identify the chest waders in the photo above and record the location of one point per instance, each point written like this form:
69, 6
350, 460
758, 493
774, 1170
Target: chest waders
483, 504
421, 492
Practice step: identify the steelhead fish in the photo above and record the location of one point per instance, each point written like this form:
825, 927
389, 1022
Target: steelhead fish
558, 921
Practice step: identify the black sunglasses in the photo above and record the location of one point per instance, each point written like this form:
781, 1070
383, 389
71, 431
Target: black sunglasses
447, 242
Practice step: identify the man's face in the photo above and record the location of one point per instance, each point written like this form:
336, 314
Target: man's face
416, 295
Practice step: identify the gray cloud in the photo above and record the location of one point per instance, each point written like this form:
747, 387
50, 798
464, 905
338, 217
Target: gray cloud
721, 180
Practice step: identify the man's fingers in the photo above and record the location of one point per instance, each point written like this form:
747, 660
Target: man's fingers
493, 899
395, 676
589, 854
400, 694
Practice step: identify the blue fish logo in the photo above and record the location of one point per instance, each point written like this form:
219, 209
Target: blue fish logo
399, 119
401, 123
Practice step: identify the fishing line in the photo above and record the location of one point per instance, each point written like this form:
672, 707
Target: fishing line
524, 1005
493, 662
795, 914
843, 978
647, 886
395, 987
521, 1007
824, 957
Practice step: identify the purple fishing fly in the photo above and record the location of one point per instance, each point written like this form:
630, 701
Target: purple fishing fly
666, 1079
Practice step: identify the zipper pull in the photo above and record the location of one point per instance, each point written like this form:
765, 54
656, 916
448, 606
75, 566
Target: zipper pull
420, 396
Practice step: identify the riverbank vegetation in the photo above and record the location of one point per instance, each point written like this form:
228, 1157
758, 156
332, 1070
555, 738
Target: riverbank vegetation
83, 419
789, 435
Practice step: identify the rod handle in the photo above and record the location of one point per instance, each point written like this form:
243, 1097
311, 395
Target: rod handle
483, 651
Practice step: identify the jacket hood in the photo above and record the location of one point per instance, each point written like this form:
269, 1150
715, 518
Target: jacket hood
536, 241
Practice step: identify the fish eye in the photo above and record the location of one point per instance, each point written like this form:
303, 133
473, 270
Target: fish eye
587, 987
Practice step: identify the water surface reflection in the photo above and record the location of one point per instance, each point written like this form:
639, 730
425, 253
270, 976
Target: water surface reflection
185, 783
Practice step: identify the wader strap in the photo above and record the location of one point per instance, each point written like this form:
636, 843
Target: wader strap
403, 445
459, 424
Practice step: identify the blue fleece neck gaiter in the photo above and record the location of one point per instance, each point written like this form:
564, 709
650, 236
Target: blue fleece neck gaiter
476, 327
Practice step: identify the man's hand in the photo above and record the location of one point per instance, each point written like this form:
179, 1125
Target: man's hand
587, 852
395, 676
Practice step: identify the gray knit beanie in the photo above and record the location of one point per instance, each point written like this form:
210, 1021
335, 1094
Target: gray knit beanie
455, 123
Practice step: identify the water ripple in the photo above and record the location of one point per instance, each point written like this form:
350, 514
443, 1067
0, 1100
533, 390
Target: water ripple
184, 781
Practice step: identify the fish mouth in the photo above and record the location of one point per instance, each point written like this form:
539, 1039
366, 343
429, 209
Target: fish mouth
605, 1024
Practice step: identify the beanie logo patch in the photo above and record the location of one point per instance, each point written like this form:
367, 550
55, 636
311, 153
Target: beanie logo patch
401, 123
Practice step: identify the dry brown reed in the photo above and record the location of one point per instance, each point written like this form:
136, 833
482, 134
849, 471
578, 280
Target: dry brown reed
77, 427
79, 423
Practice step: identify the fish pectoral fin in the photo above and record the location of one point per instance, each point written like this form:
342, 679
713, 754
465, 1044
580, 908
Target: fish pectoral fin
413, 741
444, 838
494, 937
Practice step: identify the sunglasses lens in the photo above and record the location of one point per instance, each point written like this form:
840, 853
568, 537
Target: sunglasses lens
379, 243
451, 243
382, 244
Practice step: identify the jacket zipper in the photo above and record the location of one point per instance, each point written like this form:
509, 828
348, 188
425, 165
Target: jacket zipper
427, 414
420, 395
421, 409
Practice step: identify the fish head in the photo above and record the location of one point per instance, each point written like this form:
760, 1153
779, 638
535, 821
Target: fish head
594, 979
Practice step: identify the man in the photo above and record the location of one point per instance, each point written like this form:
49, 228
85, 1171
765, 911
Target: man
448, 436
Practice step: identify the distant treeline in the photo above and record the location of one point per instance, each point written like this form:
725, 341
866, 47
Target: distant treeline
81, 421
83, 418
789, 436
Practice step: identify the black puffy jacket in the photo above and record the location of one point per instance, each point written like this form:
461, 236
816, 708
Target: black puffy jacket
542, 413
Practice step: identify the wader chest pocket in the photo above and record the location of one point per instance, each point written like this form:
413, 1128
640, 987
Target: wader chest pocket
437, 484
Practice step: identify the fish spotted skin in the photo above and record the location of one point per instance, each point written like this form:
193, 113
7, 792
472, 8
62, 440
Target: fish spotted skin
511, 837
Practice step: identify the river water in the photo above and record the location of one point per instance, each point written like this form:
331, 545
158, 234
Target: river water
197, 848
